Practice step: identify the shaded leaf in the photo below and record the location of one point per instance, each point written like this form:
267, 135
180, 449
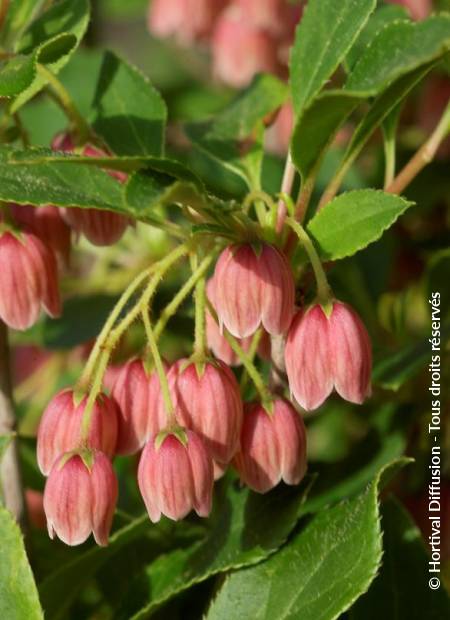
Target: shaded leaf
18, 594
401, 589
325, 34
128, 112
244, 528
20, 14
353, 220
318, 575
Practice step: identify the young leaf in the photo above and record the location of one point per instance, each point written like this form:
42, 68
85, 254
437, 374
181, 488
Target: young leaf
128, 112
318, 575
323, 38
398, 49
64, 21
18, 595
353, 220
245, 528
318, 124
401, 589
383, 16
233, 140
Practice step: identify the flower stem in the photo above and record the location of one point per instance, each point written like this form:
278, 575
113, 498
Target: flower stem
168, 404
200, 331
286, 188
423, 156
323, 288
184, 291
263, 391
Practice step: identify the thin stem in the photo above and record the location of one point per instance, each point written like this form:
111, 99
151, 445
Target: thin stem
168, 404
256, 339
10, 478
423, 156
304, 198
286, 188
323, 288
200, 309
94, 392
66, 103
263, 391
184, 291
259, 199
335, 183
101, 339
389, 157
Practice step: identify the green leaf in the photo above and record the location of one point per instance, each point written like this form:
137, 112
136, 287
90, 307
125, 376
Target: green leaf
325, 34
233, 140
318, 575
20, 14
392, 371
383, 16
317, 126
128, 112
59, 589
353, 220
401, 589
78, 185
51, 40
399, 48
244, 529
18, 595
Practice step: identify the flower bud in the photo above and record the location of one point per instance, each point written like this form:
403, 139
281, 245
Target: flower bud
28, 279
100, 227
273, 446
207, 400
254, 286
175, 476
47, 224
241, 50
323, 353
186, 20
60, 427
219, 345
80, 499
136, 393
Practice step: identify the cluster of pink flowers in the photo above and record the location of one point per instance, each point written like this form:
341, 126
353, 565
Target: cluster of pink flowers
245, 36
252, 287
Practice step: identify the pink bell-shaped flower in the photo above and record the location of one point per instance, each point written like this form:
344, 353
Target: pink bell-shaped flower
273, 446
186, 20
28, 280
101, 227
254, 285
220, 346
323, 353
136, 393
175, 476
80, 498
60, 427
47, 224
240, 49
207, 400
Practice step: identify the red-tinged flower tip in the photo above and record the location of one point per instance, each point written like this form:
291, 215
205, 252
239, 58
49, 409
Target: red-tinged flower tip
80, 497
418, 9
100, 227
273, 447
175, 476
254, 285
28, 280
60, 427
207, 400
186, 20
219, 345
136, 393
47, 224
240, 50
323, 353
